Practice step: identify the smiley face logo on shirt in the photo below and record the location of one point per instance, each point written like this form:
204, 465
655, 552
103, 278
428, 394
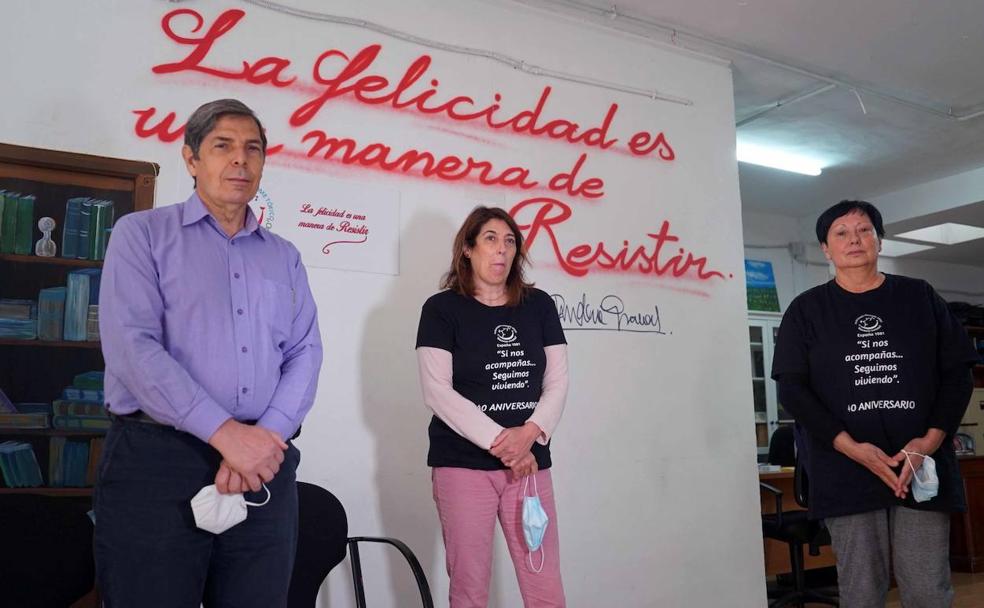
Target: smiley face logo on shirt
867, 324
505, 333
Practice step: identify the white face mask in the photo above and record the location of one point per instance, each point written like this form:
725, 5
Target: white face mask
217, 512
925, 483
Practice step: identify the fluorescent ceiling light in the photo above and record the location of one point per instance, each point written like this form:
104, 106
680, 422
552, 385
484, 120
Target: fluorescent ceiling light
777, 159
945, 234
894, 249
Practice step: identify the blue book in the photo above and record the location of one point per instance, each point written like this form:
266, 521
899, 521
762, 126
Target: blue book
76, 305
30, 470
7, 464
70, 229
56, 462
85, 215
95, 278
51, 313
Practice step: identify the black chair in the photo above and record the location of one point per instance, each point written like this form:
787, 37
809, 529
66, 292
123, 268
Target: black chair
797, 530
321, 545
782, 446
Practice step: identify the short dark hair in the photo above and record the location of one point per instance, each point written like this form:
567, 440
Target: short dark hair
827, 218
203, 120
460, 277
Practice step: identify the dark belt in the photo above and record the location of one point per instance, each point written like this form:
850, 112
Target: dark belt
139, 416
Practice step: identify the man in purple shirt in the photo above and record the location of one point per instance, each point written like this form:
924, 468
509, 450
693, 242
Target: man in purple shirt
212, 349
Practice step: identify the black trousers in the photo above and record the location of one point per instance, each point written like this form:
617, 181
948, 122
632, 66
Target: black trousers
149, 551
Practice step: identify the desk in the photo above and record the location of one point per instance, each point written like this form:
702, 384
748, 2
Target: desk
967, 529
777, 552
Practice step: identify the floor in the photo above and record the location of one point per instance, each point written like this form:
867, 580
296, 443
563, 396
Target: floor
969, 588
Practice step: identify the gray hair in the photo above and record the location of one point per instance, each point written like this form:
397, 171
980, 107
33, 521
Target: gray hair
203, 120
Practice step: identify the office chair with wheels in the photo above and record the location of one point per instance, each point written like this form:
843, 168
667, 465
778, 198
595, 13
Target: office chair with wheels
321, 545
796, 530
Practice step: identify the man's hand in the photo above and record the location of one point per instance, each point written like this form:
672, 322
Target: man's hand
514, 443
253, 452
228, 481
926, 445
526, 465
872, 458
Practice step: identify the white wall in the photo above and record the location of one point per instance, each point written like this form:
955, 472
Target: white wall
798, 263
654, 472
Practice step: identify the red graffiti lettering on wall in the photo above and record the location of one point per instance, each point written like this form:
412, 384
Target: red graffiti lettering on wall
648, 259
352, 79
266, 70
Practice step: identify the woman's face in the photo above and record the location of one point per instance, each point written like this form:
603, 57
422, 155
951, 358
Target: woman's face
852, 241
493, 254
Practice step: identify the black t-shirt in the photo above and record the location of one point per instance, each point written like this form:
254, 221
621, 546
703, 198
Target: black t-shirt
874, 361
498, 362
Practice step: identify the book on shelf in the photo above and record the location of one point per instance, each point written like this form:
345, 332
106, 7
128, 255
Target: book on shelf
6, 405
66, 407
19, 465
70, 228
18, 319
24, 421
81, 423
85, 217
8, 222
83, 287
15, 309
94, 379
100, 220
24, 236
51, 313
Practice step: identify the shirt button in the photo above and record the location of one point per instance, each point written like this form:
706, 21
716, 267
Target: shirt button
245, 349
236, 275
245, 390
239, 311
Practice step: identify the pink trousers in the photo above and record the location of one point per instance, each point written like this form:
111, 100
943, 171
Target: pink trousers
468, 502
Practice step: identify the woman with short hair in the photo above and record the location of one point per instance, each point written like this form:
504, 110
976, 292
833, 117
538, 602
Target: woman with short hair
876, 369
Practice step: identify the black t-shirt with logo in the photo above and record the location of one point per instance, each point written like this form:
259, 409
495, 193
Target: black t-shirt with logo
874, 361
498, 363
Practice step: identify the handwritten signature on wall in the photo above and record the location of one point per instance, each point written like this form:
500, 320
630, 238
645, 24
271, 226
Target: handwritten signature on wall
608, 314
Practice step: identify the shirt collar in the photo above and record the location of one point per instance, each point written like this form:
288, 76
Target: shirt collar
195, 211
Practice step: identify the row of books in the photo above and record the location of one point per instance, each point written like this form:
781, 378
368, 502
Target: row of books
80, 408
18, 319
16, 223
19, 465
69, 313
88, 224
72, 463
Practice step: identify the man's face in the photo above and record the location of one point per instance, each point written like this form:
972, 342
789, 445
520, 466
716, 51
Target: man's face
229, 164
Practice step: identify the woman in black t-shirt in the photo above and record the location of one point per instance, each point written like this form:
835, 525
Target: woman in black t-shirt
877, 371
493, 368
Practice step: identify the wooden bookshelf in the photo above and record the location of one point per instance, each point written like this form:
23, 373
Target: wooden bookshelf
37, 370
56, 261
45, 491
49, 343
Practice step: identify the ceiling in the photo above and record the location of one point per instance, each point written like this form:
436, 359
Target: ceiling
890, 93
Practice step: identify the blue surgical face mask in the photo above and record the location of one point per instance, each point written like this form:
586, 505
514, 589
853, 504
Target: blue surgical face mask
535, 522
925, 483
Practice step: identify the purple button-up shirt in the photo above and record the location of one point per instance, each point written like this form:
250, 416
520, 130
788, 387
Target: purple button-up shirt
197, 327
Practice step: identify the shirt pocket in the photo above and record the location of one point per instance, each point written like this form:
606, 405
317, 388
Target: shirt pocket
276, 309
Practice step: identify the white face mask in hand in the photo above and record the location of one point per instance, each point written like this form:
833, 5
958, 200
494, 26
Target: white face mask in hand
217, 512
925, 483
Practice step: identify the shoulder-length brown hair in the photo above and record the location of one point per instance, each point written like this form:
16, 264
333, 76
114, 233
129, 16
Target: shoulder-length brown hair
460, 276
